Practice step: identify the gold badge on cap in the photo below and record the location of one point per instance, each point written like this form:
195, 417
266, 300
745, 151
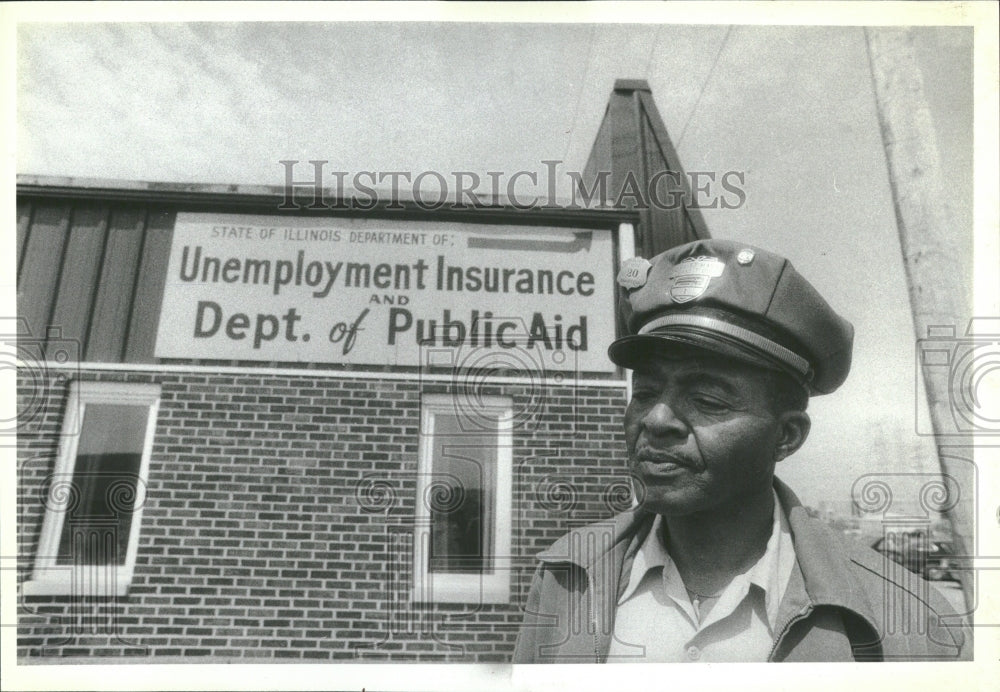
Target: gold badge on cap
633, 272
689, 279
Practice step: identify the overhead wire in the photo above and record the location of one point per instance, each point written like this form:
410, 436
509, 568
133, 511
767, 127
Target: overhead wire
704, 86
652, 49
579, 94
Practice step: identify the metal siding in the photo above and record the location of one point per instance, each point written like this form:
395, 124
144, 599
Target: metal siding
78, 283
691, 217
39, 276
623, 112
113, 305
141, 337
632, 140
690, 230
666, 213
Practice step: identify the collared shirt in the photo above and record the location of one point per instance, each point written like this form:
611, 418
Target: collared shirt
657, 622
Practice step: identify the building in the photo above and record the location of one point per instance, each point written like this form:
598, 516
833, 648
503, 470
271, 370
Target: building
256, 424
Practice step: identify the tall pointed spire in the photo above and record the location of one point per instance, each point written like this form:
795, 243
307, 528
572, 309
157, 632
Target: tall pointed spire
643, 170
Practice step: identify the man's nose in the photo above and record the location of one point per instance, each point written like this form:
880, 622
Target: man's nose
661, 420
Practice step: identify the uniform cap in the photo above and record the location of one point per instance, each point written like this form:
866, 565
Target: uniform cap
735, 300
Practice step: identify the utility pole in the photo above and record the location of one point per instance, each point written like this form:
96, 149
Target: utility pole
940, 284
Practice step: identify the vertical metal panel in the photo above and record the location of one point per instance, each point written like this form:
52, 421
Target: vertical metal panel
690, 229
141, 336
78, 283
39, 275
113, 304
648, 231
625, 163
666, 213
24, 210
672, 226
633, 144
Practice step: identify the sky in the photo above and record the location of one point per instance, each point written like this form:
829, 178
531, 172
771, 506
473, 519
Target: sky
791, 107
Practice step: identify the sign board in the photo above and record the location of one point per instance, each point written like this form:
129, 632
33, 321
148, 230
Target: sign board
387, 292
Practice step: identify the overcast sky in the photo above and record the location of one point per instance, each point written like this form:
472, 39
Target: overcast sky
791, 107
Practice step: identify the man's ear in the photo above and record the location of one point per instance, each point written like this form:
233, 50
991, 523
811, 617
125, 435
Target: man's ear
794, 429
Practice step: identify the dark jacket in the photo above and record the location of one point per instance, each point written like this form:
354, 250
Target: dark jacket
843, 602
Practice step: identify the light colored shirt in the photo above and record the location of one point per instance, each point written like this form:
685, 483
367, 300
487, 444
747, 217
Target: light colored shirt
657, 622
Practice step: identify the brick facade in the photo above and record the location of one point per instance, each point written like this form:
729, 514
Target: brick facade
279, 513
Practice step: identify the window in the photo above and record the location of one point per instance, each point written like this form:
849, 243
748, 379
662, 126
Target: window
95, 495
463, 523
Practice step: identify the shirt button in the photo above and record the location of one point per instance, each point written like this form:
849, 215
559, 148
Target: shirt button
693, 653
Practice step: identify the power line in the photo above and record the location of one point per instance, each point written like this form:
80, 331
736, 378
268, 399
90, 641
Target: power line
708, 78
652, 49
579, 94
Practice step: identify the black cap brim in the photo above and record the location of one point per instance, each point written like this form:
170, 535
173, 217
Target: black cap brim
634, 351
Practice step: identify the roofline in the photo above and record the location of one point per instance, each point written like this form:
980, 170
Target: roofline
273, 199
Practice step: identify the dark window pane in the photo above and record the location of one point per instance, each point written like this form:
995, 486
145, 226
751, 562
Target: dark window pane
96, 527
462, 495
459, 541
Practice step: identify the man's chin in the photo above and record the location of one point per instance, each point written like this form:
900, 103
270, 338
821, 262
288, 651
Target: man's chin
674, 504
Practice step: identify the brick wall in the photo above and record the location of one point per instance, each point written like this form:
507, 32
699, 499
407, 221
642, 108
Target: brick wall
279, 512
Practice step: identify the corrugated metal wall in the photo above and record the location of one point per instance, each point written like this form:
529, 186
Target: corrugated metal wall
92, 274
633, 141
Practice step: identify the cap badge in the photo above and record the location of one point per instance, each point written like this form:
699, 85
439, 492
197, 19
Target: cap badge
633, 272
745, 256
689, 278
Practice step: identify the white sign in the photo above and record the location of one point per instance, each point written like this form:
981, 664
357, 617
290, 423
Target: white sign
384, 292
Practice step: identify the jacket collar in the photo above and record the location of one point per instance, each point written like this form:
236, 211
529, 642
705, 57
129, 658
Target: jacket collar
612, 534
826, 576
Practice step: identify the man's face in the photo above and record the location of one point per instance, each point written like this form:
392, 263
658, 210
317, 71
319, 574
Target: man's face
702, 433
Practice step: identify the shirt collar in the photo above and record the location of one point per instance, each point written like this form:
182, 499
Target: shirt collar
651, 554
771, 572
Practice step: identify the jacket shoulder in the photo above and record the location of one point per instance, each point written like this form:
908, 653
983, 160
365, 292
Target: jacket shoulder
909, 605
884, 570
579, 543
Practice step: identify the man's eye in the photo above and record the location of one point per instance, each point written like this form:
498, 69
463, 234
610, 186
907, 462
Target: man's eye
645, 393
710, 404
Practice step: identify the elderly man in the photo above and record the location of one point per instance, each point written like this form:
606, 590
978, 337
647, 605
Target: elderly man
719, 561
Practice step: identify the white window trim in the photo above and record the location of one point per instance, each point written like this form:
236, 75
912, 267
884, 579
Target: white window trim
50, 579
464, 588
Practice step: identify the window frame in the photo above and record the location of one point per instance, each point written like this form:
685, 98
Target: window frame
455, 587
49, 578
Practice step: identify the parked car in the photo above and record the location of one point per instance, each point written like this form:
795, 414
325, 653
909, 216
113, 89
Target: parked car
933, 560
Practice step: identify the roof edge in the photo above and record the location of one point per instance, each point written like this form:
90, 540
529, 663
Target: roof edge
346, 199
